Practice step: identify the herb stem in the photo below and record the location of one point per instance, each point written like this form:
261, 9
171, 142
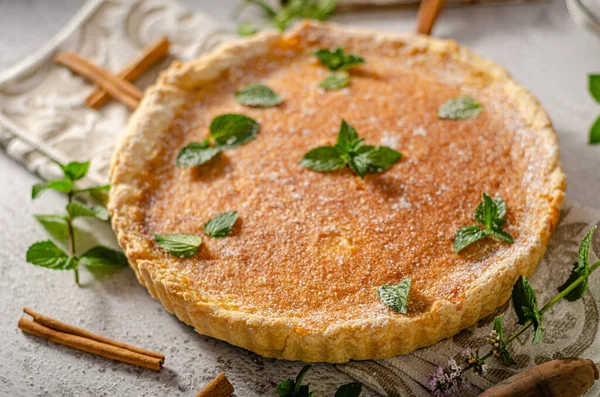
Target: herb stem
72, 239
544, 309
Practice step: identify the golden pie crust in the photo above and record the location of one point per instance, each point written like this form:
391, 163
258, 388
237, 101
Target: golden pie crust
298, 277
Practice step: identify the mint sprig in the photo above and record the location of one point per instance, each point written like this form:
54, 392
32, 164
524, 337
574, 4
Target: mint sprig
181, 245
338, 59
594, 88
291, 11
527, 312
226, 132
295, 388
461, 108
490, 215
350, 150
221, 225
396, 296
60, 227
258, 95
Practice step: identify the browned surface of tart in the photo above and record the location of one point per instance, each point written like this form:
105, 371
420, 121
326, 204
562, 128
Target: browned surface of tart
298, 277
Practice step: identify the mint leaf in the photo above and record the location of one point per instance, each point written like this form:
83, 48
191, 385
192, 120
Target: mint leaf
47, 254
583, 254
461, 108
347, 139
258, 95
578, 292
486, 212
221, 225
102, 257
338, 59
525, 305
490, 214
377, 158
77, 209
396, 296
75, 170
55, 225
231, 130
335, 81
245, 29
196, 153
298, 9
93, 189
291, 388
467, 236
581, 268
501, 235
594, 86
63, 186
350, 150
499, 345
324, 158
349, 390
595, 132
181, 245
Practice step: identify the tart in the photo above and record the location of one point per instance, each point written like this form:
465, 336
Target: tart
298, 277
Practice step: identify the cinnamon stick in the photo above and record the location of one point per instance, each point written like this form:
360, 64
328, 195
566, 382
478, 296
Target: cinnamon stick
218, 387
150, 55
429, 10
121, 90
70, 329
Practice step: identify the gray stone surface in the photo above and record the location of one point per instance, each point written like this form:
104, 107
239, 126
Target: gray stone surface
538, 44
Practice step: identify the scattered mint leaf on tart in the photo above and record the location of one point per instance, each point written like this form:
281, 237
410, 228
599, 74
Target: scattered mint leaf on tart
76, 209
335, 81
350, 150
221, 225
525, 304
181, 245
226, 132
461, 108
396, 296
490, 214
196, 153
231, 130
337, 59
102, 257
47, 254
349, 390
258, 95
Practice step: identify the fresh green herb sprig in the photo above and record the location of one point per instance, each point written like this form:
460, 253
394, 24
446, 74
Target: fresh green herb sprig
47, 253
350, 150
293, 10
594, 88
295, 388
339, 63
528, 315
226, 132
490, 214
186, 245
